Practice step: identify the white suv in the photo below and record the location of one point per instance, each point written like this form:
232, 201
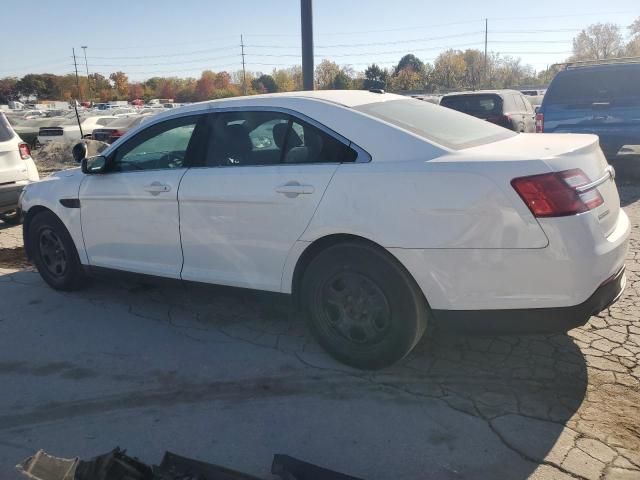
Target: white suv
17, 169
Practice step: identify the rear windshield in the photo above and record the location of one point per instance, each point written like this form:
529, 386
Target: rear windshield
437, 124
476, 105
586, 86
6, 132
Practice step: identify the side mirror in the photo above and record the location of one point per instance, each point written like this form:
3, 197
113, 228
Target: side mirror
94, 165
537, 109
79, 151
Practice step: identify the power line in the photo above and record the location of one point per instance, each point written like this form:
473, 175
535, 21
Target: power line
181, 54
164, 63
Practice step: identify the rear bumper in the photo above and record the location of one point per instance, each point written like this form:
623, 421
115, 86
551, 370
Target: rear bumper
10, 194
535, 320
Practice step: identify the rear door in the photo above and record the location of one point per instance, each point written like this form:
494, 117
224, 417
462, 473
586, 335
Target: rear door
242, 211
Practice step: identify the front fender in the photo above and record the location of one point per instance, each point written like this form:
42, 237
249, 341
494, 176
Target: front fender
46, 194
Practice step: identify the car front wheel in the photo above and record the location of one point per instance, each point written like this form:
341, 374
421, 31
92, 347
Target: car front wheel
54, 253
362, 306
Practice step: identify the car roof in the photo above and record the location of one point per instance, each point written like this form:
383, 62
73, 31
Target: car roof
483, 92
604, 66
344, 98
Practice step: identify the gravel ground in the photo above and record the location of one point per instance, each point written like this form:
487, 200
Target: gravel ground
231, 377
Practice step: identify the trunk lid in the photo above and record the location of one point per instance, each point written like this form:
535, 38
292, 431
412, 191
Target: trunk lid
12, 167
565, 152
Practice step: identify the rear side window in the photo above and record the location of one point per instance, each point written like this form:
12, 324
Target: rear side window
255, 138
434, 123
476, 105
6, 132
586, 86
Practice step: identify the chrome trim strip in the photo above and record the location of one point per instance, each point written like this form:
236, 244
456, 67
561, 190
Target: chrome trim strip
609, 174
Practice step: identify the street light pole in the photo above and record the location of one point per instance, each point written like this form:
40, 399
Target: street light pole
306, 20
87, 65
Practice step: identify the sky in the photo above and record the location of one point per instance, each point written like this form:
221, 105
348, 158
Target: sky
183, 37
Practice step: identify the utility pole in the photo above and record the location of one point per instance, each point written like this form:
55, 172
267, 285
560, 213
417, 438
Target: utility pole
306, 23
486, 31
87, 65
75, 64
244, 73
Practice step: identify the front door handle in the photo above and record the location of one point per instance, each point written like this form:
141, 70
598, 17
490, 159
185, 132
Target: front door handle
293, 189
156, 187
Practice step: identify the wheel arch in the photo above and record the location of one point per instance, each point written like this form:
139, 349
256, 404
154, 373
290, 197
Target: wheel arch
321, 244
26, 223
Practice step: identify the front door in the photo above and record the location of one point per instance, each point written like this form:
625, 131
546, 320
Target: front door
130, 217
242, 212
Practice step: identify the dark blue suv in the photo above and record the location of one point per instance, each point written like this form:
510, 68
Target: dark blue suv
603, 99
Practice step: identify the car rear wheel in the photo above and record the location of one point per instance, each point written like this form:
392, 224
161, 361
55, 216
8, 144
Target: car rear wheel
362, 306
11, 218
54, 252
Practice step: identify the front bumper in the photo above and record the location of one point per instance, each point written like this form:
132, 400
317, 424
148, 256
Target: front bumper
535, 320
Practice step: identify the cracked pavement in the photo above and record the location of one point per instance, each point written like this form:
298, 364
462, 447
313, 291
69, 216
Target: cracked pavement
231, 377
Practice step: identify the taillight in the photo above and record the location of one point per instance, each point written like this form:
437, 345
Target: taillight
556, 195
25, 151
539, 122
115, 135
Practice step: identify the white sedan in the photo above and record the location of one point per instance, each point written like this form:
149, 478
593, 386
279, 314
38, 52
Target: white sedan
68, 128
378, 213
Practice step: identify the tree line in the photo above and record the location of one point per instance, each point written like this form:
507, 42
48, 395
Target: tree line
452, 70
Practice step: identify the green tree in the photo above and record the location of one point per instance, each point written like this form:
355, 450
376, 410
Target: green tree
375, 77
264, 84
410, 60
342, 81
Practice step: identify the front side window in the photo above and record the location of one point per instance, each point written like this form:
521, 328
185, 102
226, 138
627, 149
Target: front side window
160, 146
246, 138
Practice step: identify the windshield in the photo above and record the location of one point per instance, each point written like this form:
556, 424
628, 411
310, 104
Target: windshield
477, 105
6, 132
616, 84
437, 124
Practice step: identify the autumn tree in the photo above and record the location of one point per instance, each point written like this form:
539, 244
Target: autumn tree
326, 72
8, 90
121, 83
473, 68
136, 91
205, 86
449, 69
633, 47
597, 42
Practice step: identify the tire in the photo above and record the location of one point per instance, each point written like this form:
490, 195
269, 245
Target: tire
54, 253
11, 218
362, 306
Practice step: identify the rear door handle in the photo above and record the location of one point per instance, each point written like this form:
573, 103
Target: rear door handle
156, 187
293, 189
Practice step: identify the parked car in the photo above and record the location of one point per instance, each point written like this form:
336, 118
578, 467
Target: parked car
17, 169
507, 108
32, 114
603, 99
68, 129
377, 212
118, 128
